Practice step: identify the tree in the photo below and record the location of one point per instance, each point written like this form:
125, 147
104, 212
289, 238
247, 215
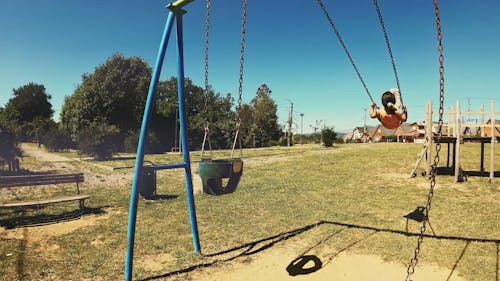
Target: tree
199, 107
24, 114
247, 125
115, 93
265, 118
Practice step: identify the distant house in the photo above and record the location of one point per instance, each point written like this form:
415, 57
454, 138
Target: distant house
471, 132
487, 129
347, 137
407, 132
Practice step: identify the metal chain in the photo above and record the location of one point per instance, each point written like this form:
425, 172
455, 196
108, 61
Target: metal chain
207, 32
334, 28
414, 260
207, 122
240, 88
389, 49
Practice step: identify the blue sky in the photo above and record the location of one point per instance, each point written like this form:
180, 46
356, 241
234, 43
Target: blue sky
290, 47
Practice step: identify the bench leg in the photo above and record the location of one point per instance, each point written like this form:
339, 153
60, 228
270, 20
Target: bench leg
82, 204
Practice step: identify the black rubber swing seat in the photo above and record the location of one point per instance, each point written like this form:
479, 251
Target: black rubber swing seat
213, 171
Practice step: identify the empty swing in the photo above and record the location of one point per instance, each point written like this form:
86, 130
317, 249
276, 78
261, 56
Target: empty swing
212, 172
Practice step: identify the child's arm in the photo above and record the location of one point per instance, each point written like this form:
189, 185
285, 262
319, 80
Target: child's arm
373, 110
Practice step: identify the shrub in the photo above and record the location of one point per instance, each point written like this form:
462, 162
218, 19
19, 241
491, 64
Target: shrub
8, 146
57, 139
329, 136
98, 140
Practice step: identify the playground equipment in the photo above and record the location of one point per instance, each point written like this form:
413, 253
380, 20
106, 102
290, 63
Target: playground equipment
456, 133
212, 171
386, 36
414, 260
175, 14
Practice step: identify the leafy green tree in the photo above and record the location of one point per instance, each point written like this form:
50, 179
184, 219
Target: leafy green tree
114, 93
247, 125
328, 135
265, 118
199, 108
24, 112
98, 140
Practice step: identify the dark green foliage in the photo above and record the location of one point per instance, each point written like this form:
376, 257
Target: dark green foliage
199, 108
8, 146
265, 119
328, 135
57, 139
115, 93
27, 111
152, 143
98, 140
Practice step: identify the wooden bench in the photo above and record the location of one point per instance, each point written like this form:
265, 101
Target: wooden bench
37, 180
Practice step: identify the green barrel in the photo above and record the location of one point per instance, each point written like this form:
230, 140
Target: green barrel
147, 183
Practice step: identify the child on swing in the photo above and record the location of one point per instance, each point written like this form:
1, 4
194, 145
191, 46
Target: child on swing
390, 116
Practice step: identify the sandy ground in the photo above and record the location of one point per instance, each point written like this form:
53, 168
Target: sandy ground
270, 264
267, 265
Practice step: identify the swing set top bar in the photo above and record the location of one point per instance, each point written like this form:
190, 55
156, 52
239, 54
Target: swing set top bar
178, 5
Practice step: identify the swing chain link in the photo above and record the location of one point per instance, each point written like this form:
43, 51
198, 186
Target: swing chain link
337, 33
414, 260
207, 31
242, 53
207, 123
389, 49
240, 87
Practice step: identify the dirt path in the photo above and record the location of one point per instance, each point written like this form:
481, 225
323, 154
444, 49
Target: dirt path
43, 155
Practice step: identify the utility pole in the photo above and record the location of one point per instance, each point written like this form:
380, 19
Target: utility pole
290, 122
301, 127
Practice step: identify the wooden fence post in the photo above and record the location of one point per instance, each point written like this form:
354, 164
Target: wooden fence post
493, 139
482, 121
429, 138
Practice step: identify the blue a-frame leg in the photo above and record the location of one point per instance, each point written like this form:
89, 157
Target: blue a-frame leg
175, 14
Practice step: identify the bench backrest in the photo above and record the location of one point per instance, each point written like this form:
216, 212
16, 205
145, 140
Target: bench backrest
29, 180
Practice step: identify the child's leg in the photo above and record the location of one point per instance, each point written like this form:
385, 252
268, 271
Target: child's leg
397, 95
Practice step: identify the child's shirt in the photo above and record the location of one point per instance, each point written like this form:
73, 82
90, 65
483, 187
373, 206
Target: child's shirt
389, 121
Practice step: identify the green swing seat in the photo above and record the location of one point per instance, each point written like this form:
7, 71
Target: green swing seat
213, 171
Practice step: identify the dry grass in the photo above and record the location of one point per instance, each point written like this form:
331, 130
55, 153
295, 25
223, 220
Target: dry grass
346, 188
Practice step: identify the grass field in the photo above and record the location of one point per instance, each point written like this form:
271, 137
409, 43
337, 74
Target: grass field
347, 197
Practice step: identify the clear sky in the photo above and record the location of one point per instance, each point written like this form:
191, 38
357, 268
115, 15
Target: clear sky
290, 46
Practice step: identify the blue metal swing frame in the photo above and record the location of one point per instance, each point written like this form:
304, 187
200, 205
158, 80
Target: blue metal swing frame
175, 14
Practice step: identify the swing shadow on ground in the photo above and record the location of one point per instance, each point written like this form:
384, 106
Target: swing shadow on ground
297, 264
45, 219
